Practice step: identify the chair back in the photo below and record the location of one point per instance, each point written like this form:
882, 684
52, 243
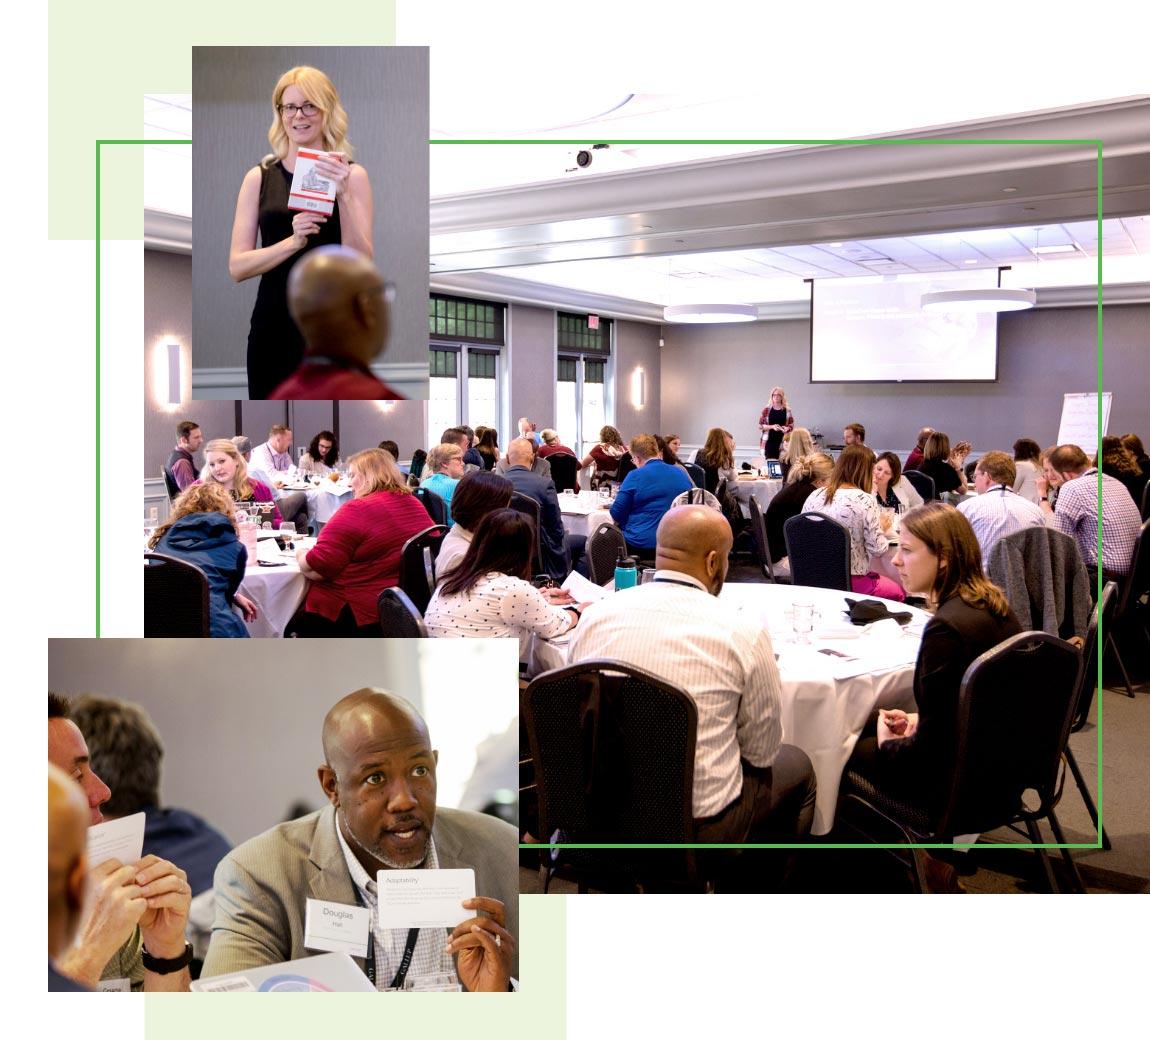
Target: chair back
433, 503
1088, 676
696, 473
398, 616
1146, 501
626, 465
613, 749
1137, 583
417, 565
175, 598
819, 548
923, 483
762, 546
696, 496
170, 484
1015, 706
564, 471
527, 505
604, 548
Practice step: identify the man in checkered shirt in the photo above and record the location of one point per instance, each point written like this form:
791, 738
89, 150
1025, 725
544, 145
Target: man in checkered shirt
1077, 513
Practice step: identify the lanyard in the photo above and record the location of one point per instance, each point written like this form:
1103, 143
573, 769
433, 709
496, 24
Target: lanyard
675, 581
405, 961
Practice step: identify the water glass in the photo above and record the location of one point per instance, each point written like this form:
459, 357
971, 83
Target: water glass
802, 620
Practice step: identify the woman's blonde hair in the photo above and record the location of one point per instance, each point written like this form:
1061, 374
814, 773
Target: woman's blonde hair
197, 498
777, 390
242, 482
949, 536
816, 466
441, 455
799, 445
549, 436
321, 92
381, 472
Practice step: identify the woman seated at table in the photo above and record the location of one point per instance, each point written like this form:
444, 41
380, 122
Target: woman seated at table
489, 594
799, 445
226, 467
552, 445
891, 489
201, 529
357, 554
717, 457
807, 475
943, 465
443, 473
911, 756
605, 456
477, 495
844, 500
1117, 461
487, 444
321, 455
669, 456
1027, 468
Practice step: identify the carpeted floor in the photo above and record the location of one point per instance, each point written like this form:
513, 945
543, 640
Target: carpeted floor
1001, 864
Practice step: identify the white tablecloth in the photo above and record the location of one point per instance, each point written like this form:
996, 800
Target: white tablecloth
322, 499
763, 490
276, 591
826, 700
584, 512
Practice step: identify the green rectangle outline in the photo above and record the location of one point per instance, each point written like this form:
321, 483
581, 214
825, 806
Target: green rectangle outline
1094, 142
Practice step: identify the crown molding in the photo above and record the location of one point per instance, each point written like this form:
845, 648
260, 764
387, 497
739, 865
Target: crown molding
167, 232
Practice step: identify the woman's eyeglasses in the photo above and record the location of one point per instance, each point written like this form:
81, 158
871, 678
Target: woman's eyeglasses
306, 109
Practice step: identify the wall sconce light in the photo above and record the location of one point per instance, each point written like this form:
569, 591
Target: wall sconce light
638, 389
173, 372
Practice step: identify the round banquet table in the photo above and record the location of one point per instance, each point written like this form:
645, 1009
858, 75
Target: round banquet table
584, 512
761, 488
276, 591
826, 699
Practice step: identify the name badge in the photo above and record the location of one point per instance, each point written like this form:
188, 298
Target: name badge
336, 927
114, 986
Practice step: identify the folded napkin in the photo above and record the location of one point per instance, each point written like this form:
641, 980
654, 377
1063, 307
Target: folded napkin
865, 611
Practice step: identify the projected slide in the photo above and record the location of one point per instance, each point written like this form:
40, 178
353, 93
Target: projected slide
873, 330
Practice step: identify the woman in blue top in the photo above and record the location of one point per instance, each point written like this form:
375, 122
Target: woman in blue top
202, 530
445, 470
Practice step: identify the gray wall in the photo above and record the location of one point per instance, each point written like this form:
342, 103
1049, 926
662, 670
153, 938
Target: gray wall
723, 375
637, 346
530, 354
385, 93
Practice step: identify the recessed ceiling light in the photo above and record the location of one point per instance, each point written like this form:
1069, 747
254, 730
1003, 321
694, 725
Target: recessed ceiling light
1009, 191
1066, 247
970, 261
836, 245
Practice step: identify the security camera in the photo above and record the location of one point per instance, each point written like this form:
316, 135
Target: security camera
601, 158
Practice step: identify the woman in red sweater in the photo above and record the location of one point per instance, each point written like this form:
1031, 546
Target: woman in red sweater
357, 554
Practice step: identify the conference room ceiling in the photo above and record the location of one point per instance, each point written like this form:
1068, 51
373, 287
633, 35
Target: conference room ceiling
706, 227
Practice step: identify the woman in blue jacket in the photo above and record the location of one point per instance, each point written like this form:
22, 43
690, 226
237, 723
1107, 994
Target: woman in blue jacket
202, 530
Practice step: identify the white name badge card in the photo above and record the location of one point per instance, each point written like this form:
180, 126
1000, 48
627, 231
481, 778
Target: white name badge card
424, 898
121, 839
310, 189
336, 927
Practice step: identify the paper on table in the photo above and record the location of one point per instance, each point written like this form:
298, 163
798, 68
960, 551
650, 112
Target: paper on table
424, 898
121, 839
584, 590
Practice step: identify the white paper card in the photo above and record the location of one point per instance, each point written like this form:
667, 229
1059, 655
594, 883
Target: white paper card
424, 898
310, 190
336, 927
583, 590
116, 839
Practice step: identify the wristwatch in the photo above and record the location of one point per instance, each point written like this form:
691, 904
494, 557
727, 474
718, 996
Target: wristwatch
171, 965
1044, 499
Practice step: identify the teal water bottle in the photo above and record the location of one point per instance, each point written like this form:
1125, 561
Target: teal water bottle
626, 573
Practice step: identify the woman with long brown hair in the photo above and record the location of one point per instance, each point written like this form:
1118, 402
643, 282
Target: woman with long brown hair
911, 755
847, 498
717, 457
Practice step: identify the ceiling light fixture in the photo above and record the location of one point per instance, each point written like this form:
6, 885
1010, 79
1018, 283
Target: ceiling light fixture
982, 300
710, 313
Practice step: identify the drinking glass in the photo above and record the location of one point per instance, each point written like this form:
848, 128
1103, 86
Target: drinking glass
802, 621
287, 531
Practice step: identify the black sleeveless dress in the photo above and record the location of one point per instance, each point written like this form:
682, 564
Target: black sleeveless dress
275, 346
775, 416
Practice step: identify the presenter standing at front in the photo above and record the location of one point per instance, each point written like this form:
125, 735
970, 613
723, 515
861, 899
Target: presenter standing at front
775, 421
307, 114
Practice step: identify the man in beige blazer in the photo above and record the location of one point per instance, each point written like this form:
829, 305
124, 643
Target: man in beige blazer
379, 775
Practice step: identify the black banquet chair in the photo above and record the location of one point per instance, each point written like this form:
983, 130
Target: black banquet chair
613, 754
398, 616
762, 543
175, 599
819, 548
417, 565
697, 474
1015, 707
1133, 606
433, 503
526, 505
604, 548
564, 471
923, 483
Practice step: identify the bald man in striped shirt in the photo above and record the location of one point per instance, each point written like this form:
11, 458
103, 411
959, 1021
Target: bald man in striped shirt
748, 786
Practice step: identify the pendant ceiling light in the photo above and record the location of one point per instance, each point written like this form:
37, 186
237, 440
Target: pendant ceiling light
982, 300
710, 313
